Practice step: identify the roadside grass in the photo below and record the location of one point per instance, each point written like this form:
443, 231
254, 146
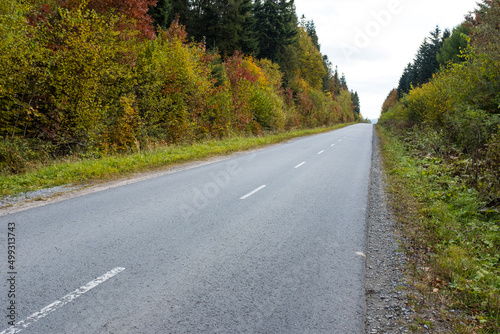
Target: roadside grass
452, 238
80, 171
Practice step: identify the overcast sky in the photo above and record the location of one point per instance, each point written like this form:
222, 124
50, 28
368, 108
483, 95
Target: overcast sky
372, 41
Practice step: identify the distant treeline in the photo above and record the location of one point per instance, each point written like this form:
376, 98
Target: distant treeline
95, 77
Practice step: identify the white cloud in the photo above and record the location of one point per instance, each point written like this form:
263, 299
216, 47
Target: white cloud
371, 41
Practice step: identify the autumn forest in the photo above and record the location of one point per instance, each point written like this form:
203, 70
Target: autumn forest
92, 78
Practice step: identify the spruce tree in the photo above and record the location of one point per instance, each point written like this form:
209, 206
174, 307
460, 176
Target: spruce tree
248, 40
277, 27
161, 13
453, 46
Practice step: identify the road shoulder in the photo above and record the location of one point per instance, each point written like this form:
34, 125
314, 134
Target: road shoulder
386, 290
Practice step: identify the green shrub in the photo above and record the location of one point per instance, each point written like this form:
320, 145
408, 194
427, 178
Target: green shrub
20, 155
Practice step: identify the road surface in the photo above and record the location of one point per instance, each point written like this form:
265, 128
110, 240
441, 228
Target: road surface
266, 242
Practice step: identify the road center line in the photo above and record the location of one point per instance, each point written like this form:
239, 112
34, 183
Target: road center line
321, 152
333, 145
250, 193
60, 303
300, 165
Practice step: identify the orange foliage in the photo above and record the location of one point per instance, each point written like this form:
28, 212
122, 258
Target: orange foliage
390, 101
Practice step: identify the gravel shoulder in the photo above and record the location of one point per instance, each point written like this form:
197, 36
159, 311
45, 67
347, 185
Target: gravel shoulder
386, 291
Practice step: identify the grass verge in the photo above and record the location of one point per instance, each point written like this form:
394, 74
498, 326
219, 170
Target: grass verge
112, 167
452, 238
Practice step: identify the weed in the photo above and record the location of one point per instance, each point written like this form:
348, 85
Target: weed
453, 242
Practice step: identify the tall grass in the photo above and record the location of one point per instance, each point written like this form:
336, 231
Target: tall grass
79, 171
452, 233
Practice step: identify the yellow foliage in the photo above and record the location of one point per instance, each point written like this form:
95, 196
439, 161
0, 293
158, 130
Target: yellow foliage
310, 60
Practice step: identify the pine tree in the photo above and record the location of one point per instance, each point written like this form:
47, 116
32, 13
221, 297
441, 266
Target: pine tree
204, 22
277, 27
425, 63
331, 82
311, 31
248, 41
162, 13
454, 45
355, 103
224, 25
406, 80
180, 9
343, 83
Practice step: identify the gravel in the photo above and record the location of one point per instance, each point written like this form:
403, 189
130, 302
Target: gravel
387, 310
38, 195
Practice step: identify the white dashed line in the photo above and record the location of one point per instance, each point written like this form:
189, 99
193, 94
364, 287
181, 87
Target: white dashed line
300, 165
333, 145
253, 192
60, 303
321, 152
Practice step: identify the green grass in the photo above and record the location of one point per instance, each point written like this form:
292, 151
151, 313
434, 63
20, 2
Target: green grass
111, 167
452, 238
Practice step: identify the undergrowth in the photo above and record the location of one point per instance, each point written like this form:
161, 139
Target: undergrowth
452, 231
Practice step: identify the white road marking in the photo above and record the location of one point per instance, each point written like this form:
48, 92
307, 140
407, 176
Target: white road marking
333, 145
250, 193
300, 165
63, 301
321, 152
340, 139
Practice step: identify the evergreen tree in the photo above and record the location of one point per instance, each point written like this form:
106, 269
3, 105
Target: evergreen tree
425, 63
337, 80
311, 31
331, 82
181, 9
231, 21
248, 41
343, 83
161, 13
277, 27
454, 45
406, 80
355, 103
224, 25
204, 22
166, 11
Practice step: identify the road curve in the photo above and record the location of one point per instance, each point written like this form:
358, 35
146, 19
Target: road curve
265, 242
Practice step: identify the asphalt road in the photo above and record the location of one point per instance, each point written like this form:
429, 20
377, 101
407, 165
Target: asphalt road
264, 242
